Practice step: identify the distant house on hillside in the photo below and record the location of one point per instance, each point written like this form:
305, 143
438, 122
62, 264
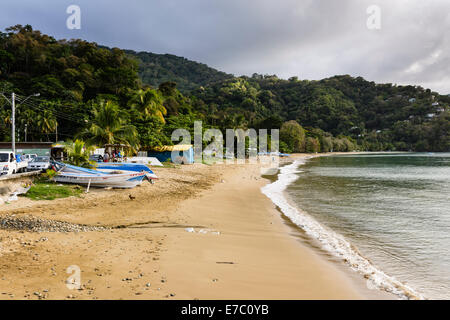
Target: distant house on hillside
435, 104
412, 100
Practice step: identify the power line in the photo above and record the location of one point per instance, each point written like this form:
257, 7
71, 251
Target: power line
50, 133
62, 114
58, 114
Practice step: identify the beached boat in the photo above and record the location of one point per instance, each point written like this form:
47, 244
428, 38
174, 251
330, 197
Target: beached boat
151, 161
77, 175
125, 166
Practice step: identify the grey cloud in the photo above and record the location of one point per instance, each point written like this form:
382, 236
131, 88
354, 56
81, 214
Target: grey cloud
312, 39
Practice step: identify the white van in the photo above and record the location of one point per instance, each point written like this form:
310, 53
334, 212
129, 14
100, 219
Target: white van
10, 165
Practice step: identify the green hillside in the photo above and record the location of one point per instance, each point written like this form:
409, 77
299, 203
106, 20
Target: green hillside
376, 116
102, 95
155, 69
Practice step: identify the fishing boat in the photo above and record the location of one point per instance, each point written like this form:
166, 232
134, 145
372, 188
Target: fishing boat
77, 175
151, 161
126, 166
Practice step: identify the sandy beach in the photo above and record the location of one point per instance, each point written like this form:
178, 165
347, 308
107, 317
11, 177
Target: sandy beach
200, 232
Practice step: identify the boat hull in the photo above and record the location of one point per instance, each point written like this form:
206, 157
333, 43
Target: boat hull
125, 167
126, 180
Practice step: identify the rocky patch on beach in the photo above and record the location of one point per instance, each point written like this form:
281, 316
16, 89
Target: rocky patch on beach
34, 224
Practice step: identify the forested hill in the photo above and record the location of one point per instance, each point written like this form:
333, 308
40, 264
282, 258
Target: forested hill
81, 84
376, 116
155, 69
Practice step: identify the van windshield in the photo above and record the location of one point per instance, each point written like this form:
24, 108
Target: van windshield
4, 157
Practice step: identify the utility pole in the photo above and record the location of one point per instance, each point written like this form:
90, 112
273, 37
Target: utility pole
56, 139
26, 127
13, 129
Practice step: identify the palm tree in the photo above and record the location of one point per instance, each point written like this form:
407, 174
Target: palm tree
27, 121
46, 122
110, 126
150, 103
5, 124
6, 117
78, 153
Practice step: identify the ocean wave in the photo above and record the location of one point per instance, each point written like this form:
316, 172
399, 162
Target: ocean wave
331, 241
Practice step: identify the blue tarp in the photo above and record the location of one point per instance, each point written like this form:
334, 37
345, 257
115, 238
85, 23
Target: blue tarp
163, 156
136, 167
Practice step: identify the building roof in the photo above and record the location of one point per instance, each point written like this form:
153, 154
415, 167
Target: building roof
177, 147
27, 145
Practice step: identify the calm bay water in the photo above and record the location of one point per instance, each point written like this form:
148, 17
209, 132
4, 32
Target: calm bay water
395, 208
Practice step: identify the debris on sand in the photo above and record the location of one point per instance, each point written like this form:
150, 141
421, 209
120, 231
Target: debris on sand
202, 231
34, 224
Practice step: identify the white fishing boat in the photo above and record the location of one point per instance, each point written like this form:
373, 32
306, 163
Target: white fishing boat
122, 180
94, 178
151, 161
108, 167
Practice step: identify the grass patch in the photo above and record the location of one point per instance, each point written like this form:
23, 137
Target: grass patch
46, 190
169, 164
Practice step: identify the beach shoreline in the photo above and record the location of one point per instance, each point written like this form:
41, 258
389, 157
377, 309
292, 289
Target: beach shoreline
201, 232
312, 234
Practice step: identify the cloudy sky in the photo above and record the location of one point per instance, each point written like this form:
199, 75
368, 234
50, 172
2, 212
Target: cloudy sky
311, 39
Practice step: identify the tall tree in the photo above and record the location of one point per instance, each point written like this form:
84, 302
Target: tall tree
149, 102
110, 126
46, 122
293, 135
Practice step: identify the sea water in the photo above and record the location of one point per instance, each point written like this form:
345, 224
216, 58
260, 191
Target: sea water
387, 216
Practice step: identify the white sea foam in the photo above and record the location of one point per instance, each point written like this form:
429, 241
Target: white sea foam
331, 241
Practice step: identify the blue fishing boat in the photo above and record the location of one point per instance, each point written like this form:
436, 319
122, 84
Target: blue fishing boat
126, 166
89, 177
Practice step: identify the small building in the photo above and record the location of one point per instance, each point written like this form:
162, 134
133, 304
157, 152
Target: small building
117, 147
412, 100
184, 153
57, 152
39, 148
